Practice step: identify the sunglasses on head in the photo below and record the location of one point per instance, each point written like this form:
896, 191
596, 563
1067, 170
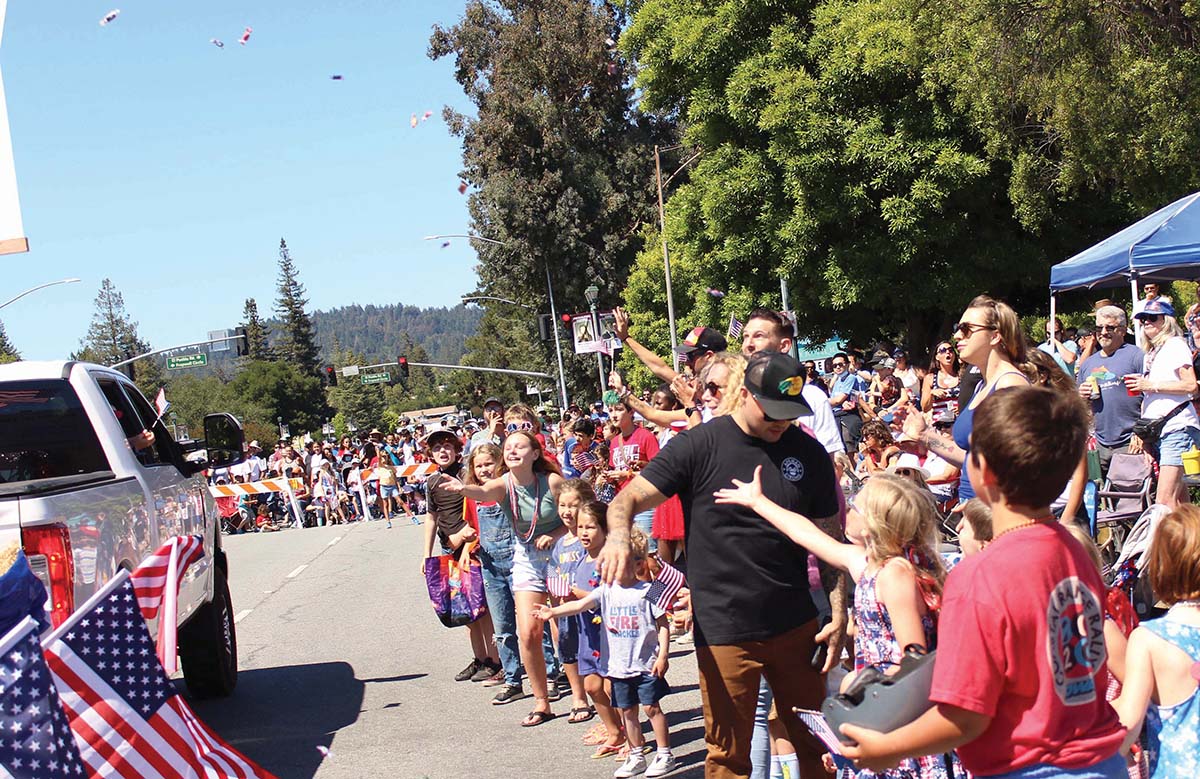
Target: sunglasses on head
518, 427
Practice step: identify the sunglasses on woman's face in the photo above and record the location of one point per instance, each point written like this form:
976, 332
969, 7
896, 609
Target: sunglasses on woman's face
909, 472
713, 388
518, 427
968, 329
943, 350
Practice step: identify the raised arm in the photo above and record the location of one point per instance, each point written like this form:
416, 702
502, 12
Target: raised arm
616, 558
651, 360
492, 491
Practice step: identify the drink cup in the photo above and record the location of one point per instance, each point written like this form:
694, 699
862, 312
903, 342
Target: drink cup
1133, 393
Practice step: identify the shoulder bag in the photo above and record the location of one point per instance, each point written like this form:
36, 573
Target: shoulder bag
1150, 430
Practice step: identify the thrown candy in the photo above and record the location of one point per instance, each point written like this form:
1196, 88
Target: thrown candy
462, 188
716, 293
595, 653
413, 120
245, 35
336, 77
324, 750
426, 115
110, 16
216, 43
596, 620
445, 244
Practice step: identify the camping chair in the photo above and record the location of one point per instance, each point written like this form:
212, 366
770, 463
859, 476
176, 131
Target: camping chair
1123, 497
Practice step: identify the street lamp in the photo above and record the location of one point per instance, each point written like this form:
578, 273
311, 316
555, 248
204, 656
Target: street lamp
327, 430
35, 289
283, 429
562, 382
592, 293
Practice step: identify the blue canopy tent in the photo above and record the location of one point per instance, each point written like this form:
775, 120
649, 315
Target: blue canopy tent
1164, 246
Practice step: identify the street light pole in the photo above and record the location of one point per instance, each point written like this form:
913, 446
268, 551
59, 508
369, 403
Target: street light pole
592, 293
35, 289
562, 382
662, 232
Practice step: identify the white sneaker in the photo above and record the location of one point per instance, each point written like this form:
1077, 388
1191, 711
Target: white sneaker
634, 764
662, 764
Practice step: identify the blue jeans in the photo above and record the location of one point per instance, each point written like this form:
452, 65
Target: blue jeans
645, 523
495, 558
1110, 768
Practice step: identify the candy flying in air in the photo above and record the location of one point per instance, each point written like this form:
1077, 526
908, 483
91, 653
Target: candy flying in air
413, 120
110, 17
462, 188
445, 244
245, 35
216, 43
716, 293
335, 77
426, 115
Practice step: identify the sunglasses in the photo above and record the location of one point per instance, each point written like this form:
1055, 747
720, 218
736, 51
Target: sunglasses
518, 427
839, 365
1151, 318
943, 349
968, 329
713, 388
1107, 328
906, 472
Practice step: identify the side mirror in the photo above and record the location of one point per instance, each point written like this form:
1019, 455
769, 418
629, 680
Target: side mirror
224, 440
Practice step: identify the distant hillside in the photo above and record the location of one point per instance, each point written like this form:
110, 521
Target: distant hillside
378, 331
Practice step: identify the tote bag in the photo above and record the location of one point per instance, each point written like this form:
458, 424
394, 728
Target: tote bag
455, 585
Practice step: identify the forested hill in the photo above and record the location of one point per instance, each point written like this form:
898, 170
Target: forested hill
377, 332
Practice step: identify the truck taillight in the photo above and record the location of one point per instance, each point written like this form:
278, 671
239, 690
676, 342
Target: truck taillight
48, 548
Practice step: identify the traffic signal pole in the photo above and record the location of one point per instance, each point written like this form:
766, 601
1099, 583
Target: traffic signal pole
509, 371
173, 348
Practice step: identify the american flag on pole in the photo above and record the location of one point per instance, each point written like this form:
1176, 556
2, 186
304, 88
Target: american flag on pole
127, 717
735, 328
156, 582
665, 586
161, 404
37, 742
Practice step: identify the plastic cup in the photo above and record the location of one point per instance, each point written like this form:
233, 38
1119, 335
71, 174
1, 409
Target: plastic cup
1132, 392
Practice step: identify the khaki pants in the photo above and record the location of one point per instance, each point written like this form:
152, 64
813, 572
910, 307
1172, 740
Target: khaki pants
729, 677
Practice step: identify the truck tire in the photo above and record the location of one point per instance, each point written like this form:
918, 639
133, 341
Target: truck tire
208, 645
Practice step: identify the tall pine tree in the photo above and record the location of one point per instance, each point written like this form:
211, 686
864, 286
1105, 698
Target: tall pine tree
297, 340
112, 336
258, 333
8, 352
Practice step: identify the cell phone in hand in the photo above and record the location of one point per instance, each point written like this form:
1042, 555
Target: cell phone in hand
821, 653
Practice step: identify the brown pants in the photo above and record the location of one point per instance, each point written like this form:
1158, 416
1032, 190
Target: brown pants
729, 678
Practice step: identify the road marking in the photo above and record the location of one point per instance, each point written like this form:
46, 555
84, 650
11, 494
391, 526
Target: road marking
334, 541
296, 572
241, 615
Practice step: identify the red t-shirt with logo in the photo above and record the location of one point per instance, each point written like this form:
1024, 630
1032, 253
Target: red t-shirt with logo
1021, 640
632, 453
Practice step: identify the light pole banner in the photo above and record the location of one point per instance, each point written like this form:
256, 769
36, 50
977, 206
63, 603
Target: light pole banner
588, 341
12, 231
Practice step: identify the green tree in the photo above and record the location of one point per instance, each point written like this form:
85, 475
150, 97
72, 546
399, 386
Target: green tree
280, 390
297, 343
258, 334
560, 161
112, 336
351, 399
8, 352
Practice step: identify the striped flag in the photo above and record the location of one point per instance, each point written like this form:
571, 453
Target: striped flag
665, 587
735, 328
161, 404
37, 741
127, 717
558, 584
156, 582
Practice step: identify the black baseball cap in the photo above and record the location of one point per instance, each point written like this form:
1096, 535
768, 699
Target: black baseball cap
700, 340
776, 381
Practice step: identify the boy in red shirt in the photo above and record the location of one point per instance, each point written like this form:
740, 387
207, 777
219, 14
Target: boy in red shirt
1020, 675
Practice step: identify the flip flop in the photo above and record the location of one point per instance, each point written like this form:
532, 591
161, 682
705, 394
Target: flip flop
535, 718
588, 712
608, 750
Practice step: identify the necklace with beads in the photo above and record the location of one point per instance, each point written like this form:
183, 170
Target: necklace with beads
1022, 526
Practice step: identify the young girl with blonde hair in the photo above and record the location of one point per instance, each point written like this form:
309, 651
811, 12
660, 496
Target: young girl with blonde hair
894, 563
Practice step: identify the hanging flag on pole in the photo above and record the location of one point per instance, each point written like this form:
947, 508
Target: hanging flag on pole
156, 582
127, 717
735, 328
38, 743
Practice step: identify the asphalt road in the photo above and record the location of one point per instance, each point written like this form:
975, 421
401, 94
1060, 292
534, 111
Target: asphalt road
339, 648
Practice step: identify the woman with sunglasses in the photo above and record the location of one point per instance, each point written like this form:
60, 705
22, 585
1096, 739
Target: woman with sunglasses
939, 393
989, 337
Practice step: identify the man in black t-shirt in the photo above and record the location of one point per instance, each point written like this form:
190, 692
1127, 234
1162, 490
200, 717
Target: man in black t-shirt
749, 583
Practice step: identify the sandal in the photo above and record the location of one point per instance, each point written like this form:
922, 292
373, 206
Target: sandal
535, 718
587, 713
597, 735
608, 750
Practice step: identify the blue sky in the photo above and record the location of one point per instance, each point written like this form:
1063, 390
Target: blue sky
147, 155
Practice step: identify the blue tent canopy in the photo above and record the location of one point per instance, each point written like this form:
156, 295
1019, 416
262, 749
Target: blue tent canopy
1164, 246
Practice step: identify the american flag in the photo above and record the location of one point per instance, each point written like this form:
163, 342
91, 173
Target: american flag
156, 599
127, 717
735, 327
584, 460
558, 584
38, 743
665, 587
161, 404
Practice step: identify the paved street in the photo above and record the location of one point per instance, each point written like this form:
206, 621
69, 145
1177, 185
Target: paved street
339, 648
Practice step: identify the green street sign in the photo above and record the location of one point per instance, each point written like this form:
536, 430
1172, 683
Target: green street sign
375, 378
187, 361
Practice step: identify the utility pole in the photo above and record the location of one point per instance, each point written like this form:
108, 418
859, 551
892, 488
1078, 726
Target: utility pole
662, 233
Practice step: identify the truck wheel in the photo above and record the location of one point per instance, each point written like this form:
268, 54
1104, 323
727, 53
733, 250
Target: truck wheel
208, 645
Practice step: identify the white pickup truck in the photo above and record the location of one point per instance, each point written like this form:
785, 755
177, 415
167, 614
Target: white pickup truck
84, 501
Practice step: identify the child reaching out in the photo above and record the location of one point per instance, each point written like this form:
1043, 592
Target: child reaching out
565, 559
634, 658
1162, 661
892, 561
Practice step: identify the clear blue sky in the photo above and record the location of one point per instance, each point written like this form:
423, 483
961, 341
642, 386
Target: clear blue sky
147, 155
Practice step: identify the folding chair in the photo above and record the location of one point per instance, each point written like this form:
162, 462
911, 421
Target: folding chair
1123, 497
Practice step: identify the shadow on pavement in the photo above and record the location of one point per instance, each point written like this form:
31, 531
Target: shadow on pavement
279, 716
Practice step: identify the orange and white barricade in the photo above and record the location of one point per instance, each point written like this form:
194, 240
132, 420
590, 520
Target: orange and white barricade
288, 486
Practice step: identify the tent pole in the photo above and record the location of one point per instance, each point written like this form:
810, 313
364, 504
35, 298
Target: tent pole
1137, 323
1050, 321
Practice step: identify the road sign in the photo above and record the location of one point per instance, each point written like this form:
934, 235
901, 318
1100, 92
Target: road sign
220, 346
187, 361
350, 370
375, 378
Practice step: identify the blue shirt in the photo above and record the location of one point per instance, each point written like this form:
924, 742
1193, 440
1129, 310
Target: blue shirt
1114, 410
846, 384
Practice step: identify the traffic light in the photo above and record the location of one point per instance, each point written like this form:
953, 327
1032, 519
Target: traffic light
566, 321
402, 364
330, 375
241, 343
545, 327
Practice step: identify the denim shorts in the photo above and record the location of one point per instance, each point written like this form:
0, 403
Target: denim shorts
388, 490
1172, 446
568, 639
531, 566
1110, 768
646, 689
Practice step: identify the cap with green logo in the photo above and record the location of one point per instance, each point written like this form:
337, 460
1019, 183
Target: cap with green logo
776, 381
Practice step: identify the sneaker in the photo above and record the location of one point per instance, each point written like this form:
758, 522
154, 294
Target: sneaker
467, 672
661, 764
487, 669
556, 689
634, 764
495, 680
508, 693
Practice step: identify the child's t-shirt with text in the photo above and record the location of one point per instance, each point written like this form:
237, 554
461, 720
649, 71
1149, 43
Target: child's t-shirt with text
630, 635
